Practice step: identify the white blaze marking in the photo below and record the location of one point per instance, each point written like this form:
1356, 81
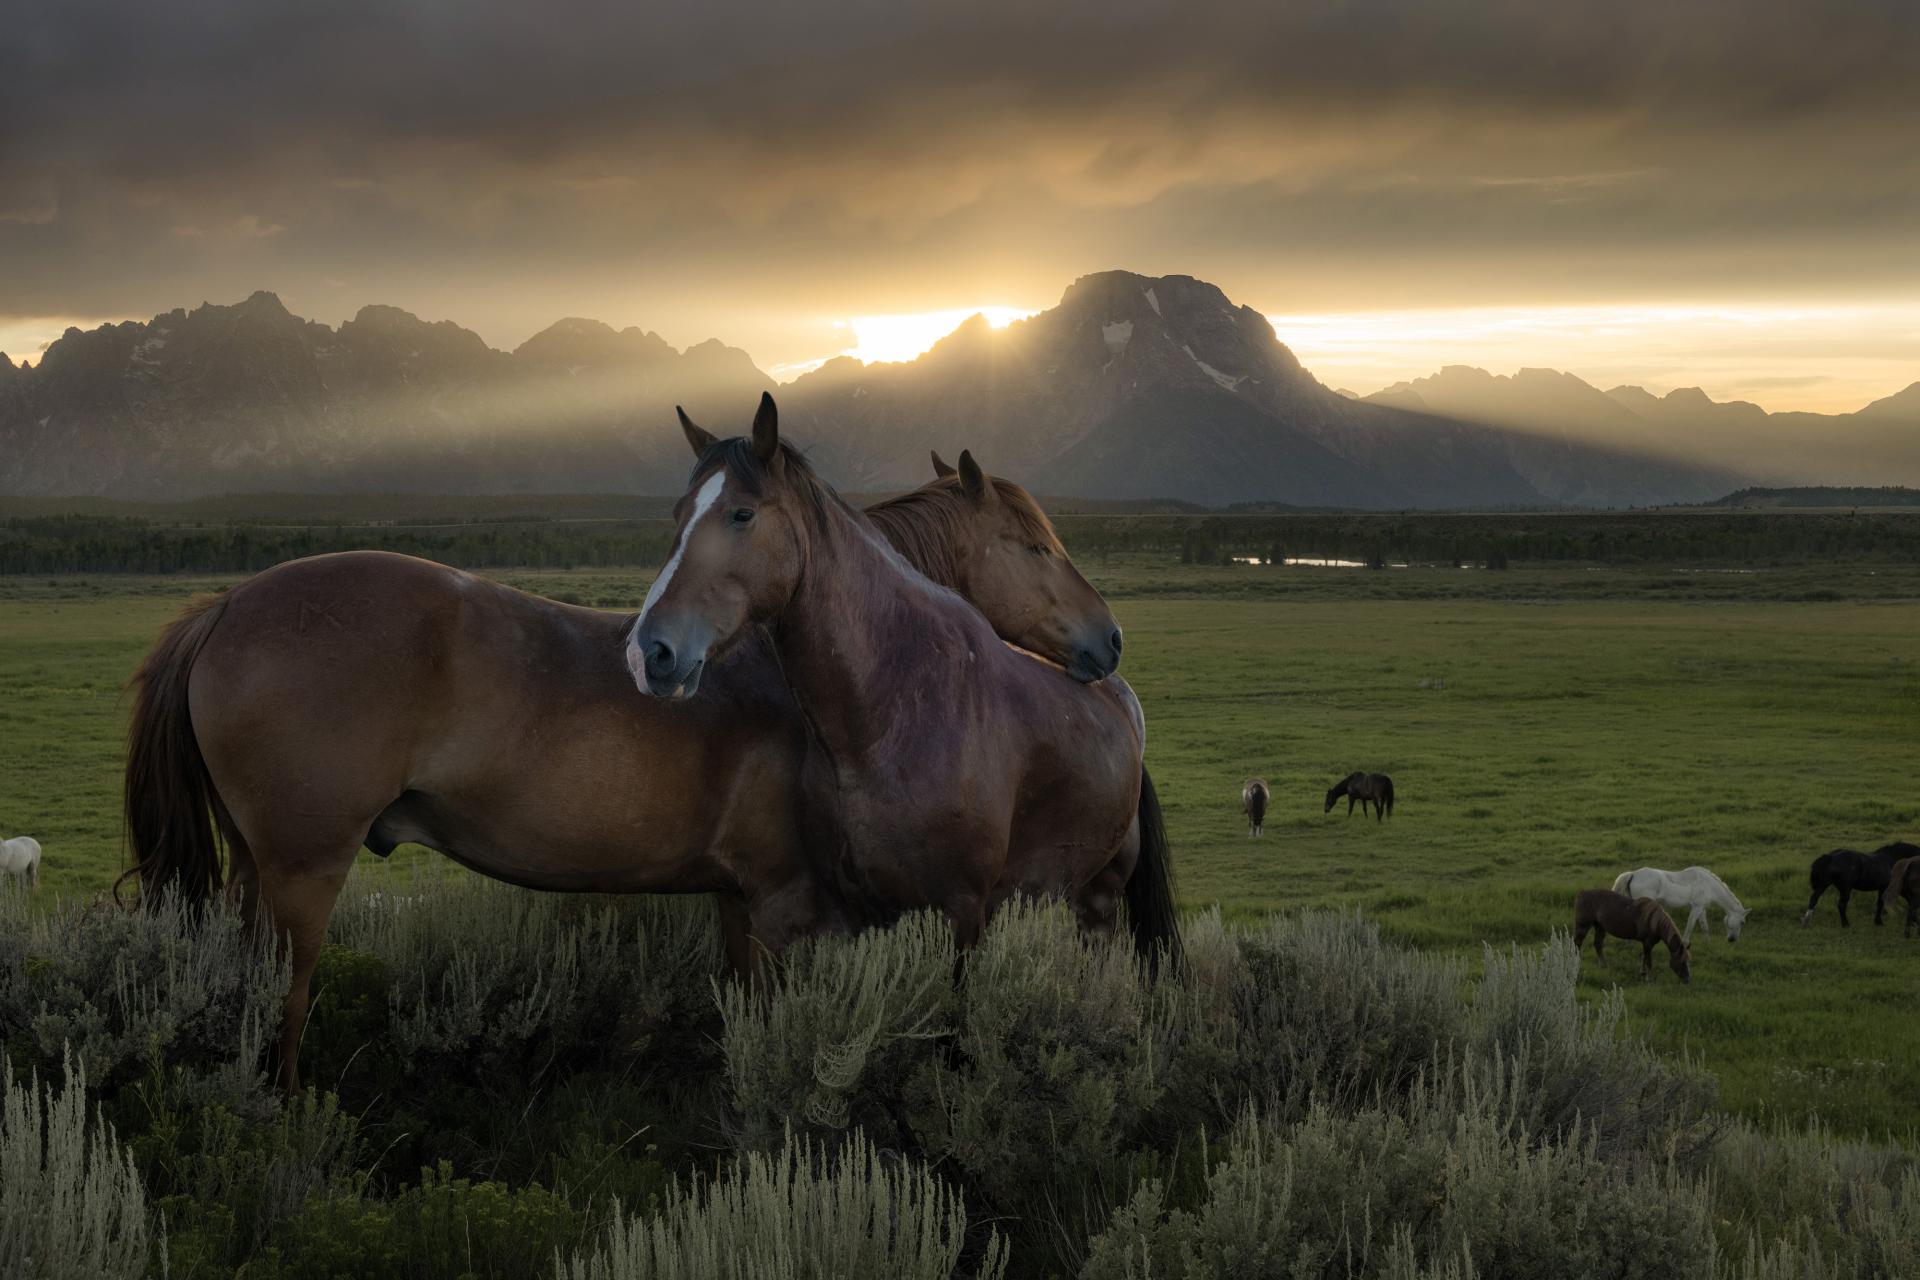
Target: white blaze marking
708, 495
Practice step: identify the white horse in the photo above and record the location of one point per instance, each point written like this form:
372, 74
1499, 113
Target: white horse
20, 857
1696, 889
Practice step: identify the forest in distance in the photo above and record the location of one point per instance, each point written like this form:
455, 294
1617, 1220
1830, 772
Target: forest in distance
529, 535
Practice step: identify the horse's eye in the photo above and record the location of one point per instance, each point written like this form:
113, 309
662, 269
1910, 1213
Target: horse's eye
741, 515
1041, 551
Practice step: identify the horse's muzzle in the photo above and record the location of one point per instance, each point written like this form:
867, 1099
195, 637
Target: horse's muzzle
662, 669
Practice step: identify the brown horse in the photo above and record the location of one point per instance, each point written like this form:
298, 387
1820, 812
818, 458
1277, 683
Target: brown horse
1904, 883
944, 769
1376, 788
1253, 802
368, 698
1642, 919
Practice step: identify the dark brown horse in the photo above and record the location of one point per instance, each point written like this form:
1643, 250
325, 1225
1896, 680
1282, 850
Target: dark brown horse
1645, 921
369, 699
944, 769
1374, 788
1904, 882
1848, 870
1253, 802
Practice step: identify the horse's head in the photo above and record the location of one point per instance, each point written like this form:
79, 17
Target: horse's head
741, 530
1736, 921
1680, 958
1001, 553
1333, 794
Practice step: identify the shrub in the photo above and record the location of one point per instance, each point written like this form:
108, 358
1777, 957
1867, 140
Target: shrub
169, 989
835, 1027
71, 1205
797, 1213
445, 1228
1328, 1013
1804, 1203
1565, 1066
224, 1184
1058, 1064
1378, 1193
496, 985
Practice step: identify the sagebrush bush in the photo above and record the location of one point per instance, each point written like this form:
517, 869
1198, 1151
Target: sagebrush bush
173, 990
824, 1041
491, 983
1379, 1192
1060, 1059
1327, 1013
1804, 1203
799, 1213
1565, 1066
71, 1205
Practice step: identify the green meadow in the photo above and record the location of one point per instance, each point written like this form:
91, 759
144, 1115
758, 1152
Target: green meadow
1591, 721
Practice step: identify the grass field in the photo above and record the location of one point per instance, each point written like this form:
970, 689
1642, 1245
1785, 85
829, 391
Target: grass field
1591, 722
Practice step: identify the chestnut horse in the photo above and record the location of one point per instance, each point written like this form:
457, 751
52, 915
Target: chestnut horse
369, 699
944, 769
1641, 919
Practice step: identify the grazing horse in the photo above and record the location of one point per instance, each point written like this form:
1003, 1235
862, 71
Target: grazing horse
1904, 882
1696, 889
20, 857
1253, 802
1847, 870
1376, 788
369, 699
1642, 919
944, 769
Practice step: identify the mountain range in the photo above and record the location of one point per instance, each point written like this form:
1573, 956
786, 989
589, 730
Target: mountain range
1131, 387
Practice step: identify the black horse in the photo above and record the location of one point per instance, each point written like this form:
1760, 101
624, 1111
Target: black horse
1376, 788
1848, 869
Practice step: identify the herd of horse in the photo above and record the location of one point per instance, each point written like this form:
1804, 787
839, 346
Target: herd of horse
825, 717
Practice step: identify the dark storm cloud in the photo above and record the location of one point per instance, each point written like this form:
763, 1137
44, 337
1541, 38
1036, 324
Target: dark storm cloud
775, 146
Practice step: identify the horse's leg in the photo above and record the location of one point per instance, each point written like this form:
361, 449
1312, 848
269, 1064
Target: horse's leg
1913, 915
1600, 943
298, 896
1379, 809
1646, 959
1349, 804
1844, 893
1697, 916
1879, 909
736, 931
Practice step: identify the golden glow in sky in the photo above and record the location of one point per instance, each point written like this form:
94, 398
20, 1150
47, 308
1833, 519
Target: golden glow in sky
1826, 358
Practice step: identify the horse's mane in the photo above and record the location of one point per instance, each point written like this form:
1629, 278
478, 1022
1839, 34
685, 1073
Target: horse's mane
737, 455
925, 523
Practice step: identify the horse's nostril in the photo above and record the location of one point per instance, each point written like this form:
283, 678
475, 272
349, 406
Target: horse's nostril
1116, 640
660, 658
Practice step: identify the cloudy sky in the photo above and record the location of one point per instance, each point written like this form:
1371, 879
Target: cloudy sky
1670, 192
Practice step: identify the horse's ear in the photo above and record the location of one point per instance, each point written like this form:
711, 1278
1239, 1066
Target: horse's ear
974, 481
700, 440
940, 468
766, 430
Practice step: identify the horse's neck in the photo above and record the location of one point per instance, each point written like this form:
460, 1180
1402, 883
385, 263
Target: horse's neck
852, 639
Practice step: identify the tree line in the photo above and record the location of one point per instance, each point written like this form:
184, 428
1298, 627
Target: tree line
113, 544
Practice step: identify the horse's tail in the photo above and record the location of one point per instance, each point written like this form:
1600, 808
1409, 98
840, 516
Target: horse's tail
169, 795
1623, 882
1150, 907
